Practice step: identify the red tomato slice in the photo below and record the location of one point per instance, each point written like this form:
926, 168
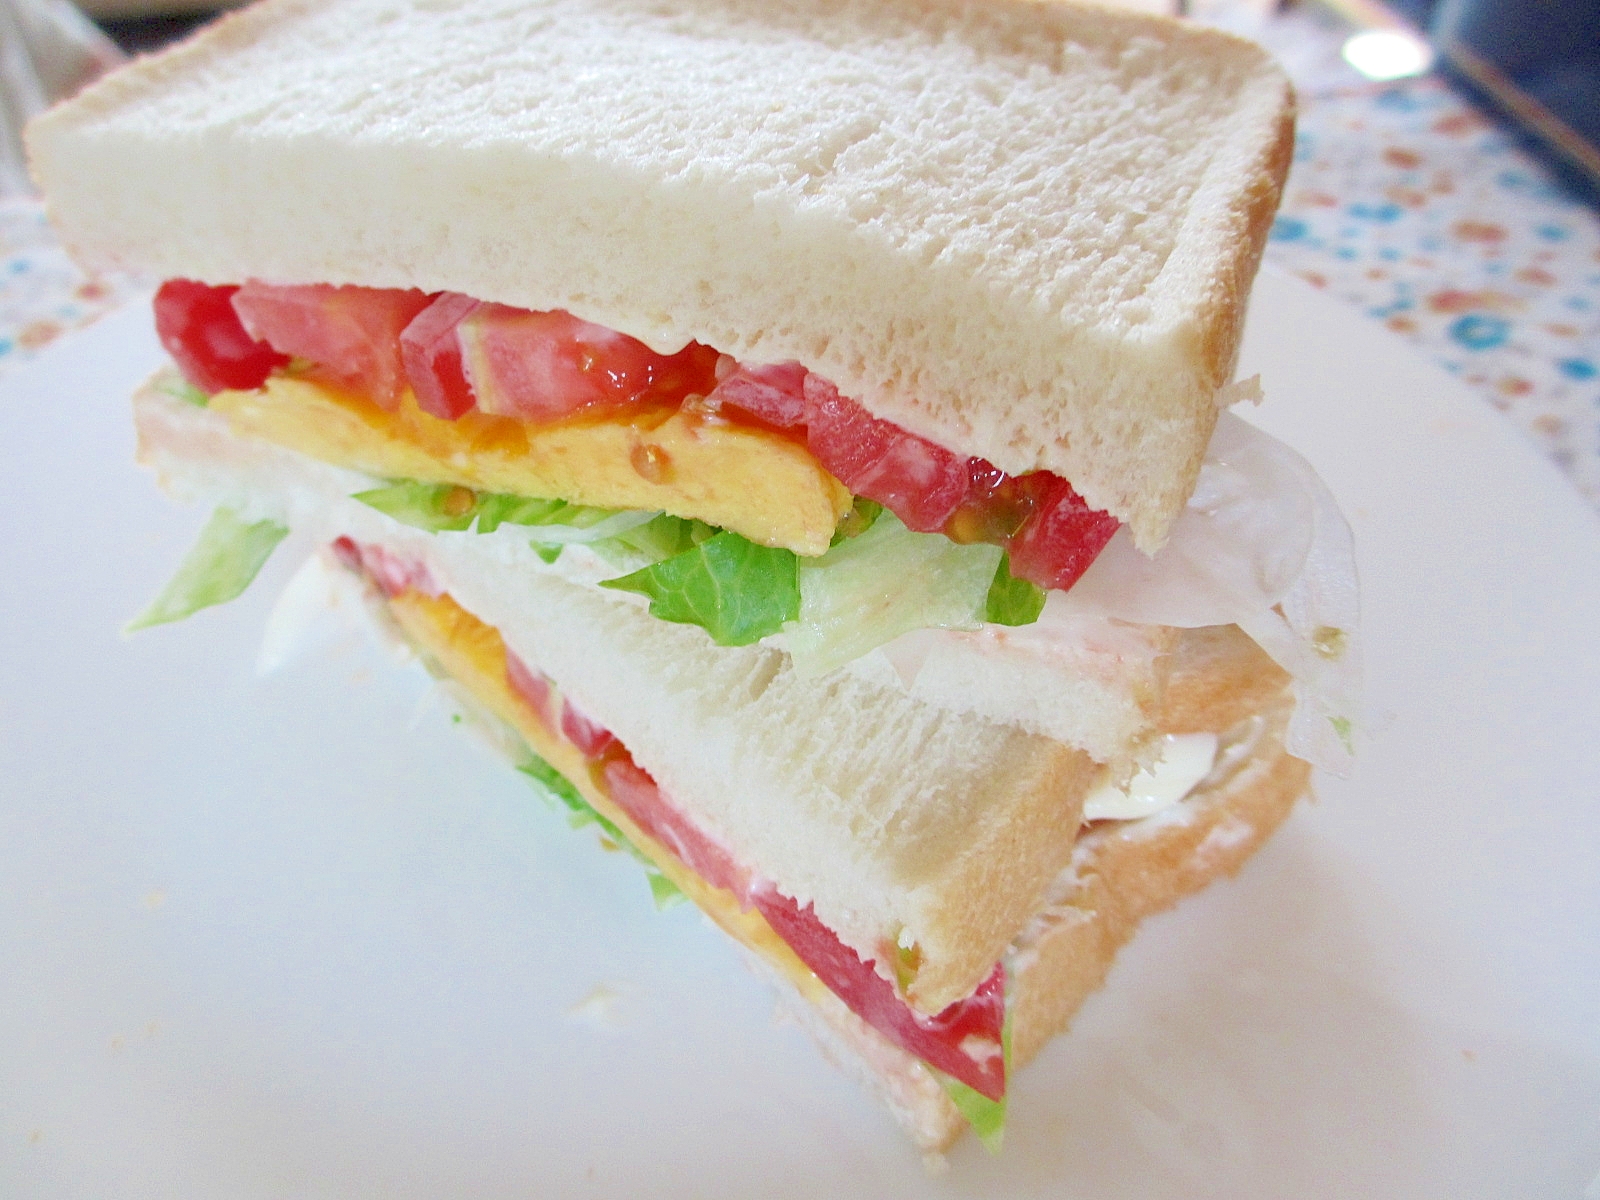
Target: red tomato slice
542, 366
594, 740
199, 328
533, 686
352, 334
431, 351
774, 394
1061, 537
918, 481
637, 795
963, 1041
392, 573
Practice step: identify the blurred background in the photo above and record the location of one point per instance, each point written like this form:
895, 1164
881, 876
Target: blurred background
1446, 181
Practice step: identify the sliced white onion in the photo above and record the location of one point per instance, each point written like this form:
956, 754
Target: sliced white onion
1262, 545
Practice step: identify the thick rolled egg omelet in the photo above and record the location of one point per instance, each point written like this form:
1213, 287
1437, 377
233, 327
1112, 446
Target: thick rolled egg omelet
753, 481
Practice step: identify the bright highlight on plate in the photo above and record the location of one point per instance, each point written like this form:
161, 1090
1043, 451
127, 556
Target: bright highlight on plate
1385, 54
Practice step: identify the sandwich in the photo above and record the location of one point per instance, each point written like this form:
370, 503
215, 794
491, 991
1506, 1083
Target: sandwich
799, 428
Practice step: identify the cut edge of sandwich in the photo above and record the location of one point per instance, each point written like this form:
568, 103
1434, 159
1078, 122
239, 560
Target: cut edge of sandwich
1120, 872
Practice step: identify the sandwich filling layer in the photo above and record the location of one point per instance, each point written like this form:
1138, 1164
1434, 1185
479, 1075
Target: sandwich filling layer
573, 411
768, 506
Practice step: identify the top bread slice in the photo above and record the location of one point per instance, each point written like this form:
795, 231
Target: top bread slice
1026, 231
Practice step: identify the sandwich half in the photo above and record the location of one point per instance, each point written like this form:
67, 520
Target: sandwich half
798, 427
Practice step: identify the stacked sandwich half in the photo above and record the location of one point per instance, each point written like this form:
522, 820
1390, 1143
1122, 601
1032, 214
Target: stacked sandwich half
801, 425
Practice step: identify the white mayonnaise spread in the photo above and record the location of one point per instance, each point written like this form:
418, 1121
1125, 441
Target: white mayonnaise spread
1185, 759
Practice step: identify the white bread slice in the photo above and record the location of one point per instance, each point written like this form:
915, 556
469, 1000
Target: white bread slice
1120, 872
1024, 230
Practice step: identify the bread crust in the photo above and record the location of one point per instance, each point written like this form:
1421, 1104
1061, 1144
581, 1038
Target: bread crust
1215, 676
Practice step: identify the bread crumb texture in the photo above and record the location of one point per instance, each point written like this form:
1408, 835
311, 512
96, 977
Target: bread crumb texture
1026, 230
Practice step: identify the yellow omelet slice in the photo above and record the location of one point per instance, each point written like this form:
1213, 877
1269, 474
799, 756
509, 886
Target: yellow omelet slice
753, 481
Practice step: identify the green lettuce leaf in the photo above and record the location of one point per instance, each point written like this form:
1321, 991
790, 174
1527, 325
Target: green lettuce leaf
495, 510
431, 506
1012, 601
181, 389
221, 564
987, 1117
558, 788
858, 520
439, 507
735, 590
663, 537
870, 589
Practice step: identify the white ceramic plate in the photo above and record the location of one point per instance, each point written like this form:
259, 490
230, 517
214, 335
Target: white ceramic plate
295, 936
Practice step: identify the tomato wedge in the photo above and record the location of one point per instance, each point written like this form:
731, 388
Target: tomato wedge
543, 366
432, 355
920, 482
534, 689
198, 327
392, 573
963, 1041
1061, 537
351, 334
774, 394
594, 740
637, 794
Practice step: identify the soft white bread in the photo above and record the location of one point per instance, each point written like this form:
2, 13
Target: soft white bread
1024, 230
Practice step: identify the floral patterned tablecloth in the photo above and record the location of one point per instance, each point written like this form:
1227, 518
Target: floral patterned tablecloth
1406, 201
1403, 200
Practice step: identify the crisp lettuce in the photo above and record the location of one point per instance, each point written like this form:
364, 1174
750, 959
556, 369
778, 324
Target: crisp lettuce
858, 520
987, 1117
876, 581
431, 506
223, 561
661, 538
495, 510
870, 589
1012, 601
558, 788
439, 507
181, 389
735, 590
